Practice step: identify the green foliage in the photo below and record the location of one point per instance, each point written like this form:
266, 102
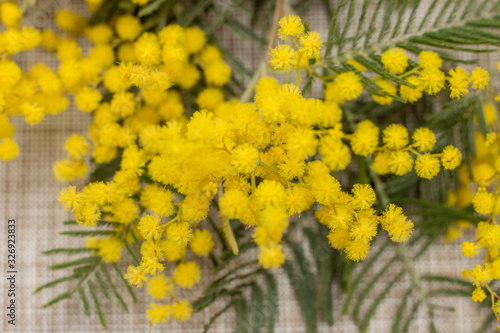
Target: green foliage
218, 314
311, 271
88, 271
440, 28
96, 304
257, 310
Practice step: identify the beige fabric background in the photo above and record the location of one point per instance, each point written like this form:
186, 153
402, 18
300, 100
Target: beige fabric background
28, 193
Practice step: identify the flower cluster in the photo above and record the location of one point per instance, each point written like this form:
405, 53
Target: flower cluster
483, 178
308, 45
137, 68
426, 77
139, 123
262, 162
33, 94
395, 155
257, 161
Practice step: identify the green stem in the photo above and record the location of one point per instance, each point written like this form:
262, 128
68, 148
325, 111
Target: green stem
415, 281
262, 69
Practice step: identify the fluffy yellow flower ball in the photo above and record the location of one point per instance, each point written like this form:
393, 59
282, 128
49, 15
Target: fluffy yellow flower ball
195, 39
149, 227
271, 256
70, 21
210, 98
10, 14
478, 295
128, 27
365, 140
395, 136
217, 73
202, 243
110, 249
310, 45
349, 85
400, 163
429, 59
187, 274
432, 80
411, 94
395, 60
8, 149
245, 158
283, 58
427, 166
290, 27
180, 232
172, 250
76, 146
483, 201
469, 249
160, 287
451, 157
181, 310
147, 49
99, 33
424, 139
158, 313
87, 99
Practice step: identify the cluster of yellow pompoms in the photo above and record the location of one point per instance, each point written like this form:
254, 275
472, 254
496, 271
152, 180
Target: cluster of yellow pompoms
426, 77
485, 169
150, 62
138, 75
261, 162
33, 94
254, 159
479, 187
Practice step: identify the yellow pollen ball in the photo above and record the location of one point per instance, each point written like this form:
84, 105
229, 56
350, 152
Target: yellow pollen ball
187, 274
283, 57
349, 85
395, 60
395, 136
10, 14
427, 166
271, 256
424, 139
181, 310
160, 287
202, 243
290, 27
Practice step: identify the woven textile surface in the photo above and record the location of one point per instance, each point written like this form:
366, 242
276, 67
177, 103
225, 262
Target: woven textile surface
29, 193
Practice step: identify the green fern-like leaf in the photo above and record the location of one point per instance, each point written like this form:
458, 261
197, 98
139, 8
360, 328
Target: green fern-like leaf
89, 271
441, 28
96, 304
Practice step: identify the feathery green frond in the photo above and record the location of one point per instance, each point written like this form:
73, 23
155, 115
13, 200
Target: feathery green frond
76, 250
87, 233
96, 304
272, 301
217, 315
78, 262
56, 282
57, 299
125, 283
113, 288
85, 301
101, 284
131, 252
